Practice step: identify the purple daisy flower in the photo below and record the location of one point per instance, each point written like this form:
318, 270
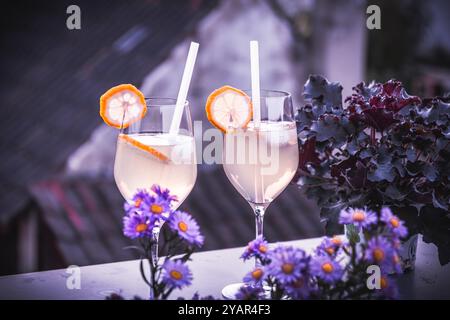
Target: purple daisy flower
287, 264
164, 193
299, 289
326, 269
136, 202
362, 218
247, 292
255, 277
389, 289
257, 248
137, 225
176, 274
157, 208
396, 266
329, 246
186, 227
393, 223
380, 251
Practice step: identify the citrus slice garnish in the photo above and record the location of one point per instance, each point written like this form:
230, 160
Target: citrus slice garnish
229, 107
157, 154
122, 105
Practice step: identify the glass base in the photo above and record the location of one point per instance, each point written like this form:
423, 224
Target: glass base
230, 291
407, 253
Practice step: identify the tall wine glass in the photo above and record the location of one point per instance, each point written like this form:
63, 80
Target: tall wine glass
168, 162
261, 160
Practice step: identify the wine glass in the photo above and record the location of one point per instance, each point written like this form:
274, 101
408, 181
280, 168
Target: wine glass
147, 154
261, 159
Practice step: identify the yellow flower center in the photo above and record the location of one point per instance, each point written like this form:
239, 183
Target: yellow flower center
329, 250
336, 240
182, 226
141, 227
383, 283
287, 268
327, 267
257, 274
378, 255
156, 208
262, 248
176, 274
394, 222
137, 203
359, 216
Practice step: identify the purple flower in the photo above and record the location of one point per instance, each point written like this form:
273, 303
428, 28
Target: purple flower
389, 289
255, 277
326, 269
380, 251
299, 289
287, 264
329, 246
164, 193
186, 228
257, 248
393, 223
176, 274
157, 208
136, 202
136, 225
247, 292
361, 218
396, 263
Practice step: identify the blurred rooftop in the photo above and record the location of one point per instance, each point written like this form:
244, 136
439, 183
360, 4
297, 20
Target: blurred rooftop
52, 77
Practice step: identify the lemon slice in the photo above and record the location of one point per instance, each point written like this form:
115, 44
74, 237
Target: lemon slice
228, 107
122, 105
157, 154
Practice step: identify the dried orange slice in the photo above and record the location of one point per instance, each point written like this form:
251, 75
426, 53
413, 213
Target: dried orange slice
229, 107
122, 105
161, 156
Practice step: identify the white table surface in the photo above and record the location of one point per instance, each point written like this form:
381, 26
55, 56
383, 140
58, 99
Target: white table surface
212, 271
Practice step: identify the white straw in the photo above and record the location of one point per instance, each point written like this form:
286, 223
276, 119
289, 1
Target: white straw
184, 87
256, 100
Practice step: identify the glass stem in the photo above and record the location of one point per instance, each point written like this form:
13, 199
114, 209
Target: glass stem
153, 260
259, 221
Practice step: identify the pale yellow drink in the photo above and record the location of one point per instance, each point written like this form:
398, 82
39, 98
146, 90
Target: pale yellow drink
260, 162
135, 168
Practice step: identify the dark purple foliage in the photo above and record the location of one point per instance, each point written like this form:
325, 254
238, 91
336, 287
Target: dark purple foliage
382, 148
377, 104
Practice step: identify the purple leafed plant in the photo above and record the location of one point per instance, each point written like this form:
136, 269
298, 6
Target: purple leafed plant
381, 147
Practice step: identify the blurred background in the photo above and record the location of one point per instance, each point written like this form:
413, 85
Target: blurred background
58, 202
